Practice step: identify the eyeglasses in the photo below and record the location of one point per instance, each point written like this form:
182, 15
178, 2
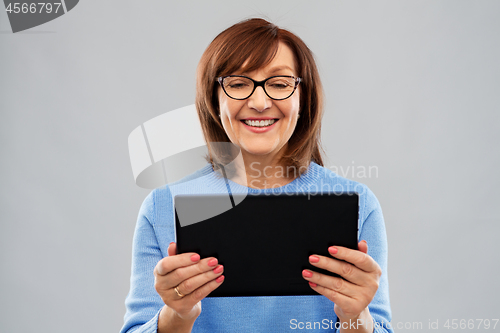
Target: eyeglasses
276, 87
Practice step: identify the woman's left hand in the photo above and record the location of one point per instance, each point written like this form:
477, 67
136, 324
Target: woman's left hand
352, 294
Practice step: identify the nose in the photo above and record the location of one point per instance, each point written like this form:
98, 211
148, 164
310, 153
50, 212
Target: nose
259, 100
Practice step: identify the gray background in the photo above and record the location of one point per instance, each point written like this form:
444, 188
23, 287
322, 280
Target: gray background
412, 87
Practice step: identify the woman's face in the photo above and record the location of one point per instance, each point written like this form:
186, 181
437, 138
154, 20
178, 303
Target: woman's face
262, 140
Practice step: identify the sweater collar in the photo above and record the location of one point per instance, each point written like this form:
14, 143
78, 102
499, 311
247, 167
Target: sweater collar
309, 176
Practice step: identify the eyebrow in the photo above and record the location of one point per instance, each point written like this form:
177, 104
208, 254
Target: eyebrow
279, 68
273, 70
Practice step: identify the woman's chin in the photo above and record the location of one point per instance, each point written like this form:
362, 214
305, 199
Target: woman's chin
258, 152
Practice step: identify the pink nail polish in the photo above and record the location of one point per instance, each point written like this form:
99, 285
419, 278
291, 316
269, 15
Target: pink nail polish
333, 250
313, 259
220, 279
218, 269
195, 257
312, 284
306, 273
212, 262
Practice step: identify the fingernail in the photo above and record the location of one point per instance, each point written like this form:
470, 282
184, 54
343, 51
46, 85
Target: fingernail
220, 279
313, 259
195, 257
212, 262
333, 250
306, 273
171, 243
312, 284
218, 269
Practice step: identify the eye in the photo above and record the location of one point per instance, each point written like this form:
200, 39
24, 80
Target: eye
280, 83
237, 83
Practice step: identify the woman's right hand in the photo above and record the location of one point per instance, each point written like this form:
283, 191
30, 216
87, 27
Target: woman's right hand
194, 278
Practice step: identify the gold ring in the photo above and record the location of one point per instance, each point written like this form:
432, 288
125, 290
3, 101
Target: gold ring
178, 292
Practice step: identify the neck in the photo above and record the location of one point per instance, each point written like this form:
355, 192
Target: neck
262, 171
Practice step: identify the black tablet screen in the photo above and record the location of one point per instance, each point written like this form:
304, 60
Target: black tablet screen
264, 241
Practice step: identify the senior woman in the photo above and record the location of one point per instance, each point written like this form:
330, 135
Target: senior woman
258, 88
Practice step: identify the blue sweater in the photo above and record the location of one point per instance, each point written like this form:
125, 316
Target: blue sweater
155, 229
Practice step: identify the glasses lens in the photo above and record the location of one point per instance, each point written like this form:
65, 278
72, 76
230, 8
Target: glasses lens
238, 87
280, 87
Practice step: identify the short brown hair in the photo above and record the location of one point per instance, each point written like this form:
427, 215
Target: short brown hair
257, 41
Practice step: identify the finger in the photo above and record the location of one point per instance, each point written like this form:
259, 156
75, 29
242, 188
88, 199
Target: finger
179, 275
204, 291
172, 249
363, 246
359, 259
347, 304
331, 282
168, 264
188, 286
342, 268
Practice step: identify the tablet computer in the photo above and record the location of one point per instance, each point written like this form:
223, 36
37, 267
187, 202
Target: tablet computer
264, 240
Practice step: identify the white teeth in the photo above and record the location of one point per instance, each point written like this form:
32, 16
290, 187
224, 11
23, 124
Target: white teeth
261, 123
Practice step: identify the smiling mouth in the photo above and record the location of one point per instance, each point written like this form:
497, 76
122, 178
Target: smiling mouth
260, 123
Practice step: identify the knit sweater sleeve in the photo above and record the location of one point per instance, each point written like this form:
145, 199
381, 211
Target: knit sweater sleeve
143, 303
372, 230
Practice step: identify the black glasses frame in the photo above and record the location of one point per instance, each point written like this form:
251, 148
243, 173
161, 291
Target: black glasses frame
259, 84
